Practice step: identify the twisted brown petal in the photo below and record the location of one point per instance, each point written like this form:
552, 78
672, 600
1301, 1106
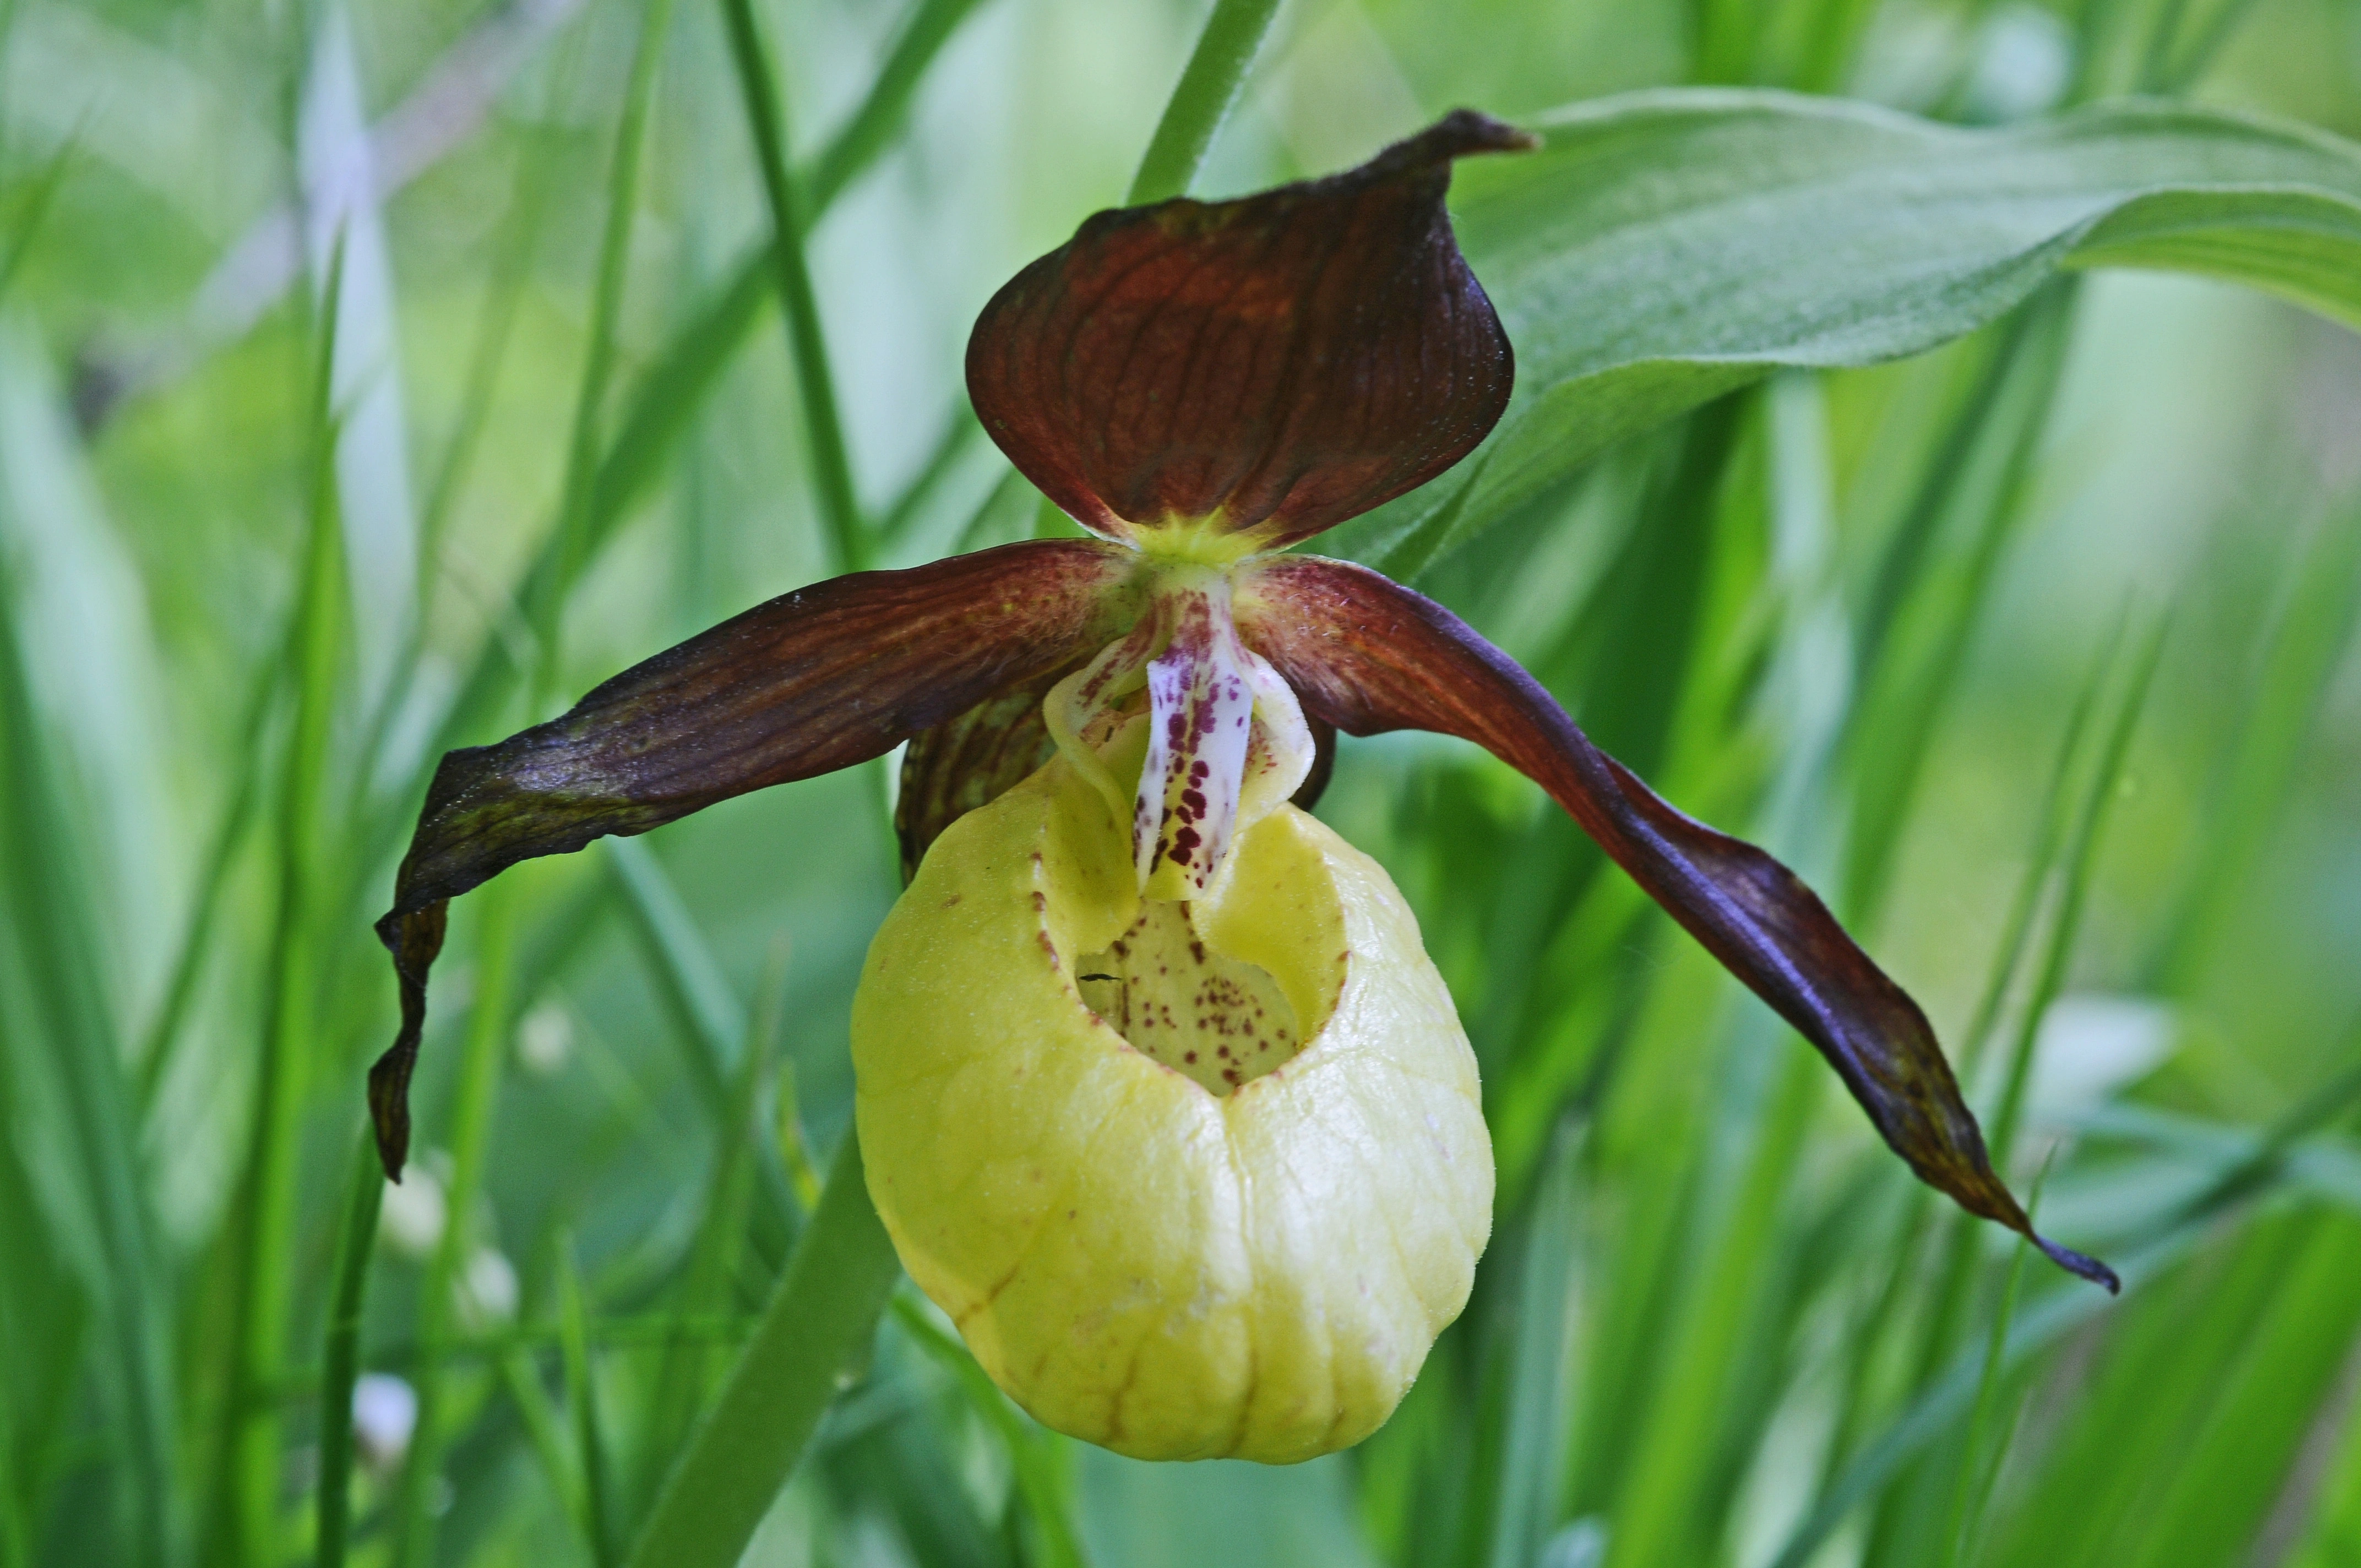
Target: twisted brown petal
817, 680
1370, 655
1269, 366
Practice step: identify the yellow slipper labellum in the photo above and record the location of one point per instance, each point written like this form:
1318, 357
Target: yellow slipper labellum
1233, 1233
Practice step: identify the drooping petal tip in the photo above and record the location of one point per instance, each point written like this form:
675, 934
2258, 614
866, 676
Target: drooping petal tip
1253, 370
2079, 1263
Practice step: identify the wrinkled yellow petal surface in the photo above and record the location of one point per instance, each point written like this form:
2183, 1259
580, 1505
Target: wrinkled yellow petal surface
1140, 1261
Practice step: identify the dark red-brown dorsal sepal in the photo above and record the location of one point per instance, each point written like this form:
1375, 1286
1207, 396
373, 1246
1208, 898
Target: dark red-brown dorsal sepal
1267, 367
1369, 655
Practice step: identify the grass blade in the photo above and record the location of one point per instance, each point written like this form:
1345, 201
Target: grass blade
511, 271
956, 440
2083, 843
70, 1105
1532, 1460
1209, 85
1973, 1483
1872, 1329
1956, 1290
687, 975
814, 1336
1657, 1518
871, 127
606, 310
831, 465
163, 1034
684, 1379
244, 1520
581, 1382
668, 396
1939, 1402
1907, 665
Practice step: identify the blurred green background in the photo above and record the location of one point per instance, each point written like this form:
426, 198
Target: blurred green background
2035, 652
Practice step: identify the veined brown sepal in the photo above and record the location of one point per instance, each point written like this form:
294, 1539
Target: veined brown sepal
814, 681
1244, 374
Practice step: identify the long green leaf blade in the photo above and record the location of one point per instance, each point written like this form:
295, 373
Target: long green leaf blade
1666, 246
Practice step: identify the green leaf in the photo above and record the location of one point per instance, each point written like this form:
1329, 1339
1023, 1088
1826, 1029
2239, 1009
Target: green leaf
1664, 247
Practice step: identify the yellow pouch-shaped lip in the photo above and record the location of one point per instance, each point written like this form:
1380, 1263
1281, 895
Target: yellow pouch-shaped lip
1138, 1259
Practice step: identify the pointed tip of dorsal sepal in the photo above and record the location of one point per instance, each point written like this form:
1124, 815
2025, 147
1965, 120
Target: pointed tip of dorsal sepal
1461, 133
1267, 367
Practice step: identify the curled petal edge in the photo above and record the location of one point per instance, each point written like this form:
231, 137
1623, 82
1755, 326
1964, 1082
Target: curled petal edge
814, 681
1369, 655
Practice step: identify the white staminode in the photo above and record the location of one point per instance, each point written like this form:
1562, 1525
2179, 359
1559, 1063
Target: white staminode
1226, 740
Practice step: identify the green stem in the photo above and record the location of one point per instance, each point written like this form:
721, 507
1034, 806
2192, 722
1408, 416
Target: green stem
1209, 85
807, 344
341, 1355
812, 1340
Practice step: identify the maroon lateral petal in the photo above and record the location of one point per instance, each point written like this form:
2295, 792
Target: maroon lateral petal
1369, 655
1289, 359
815, 680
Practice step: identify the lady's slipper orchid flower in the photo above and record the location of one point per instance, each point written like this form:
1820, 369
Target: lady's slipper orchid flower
1161, 1098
